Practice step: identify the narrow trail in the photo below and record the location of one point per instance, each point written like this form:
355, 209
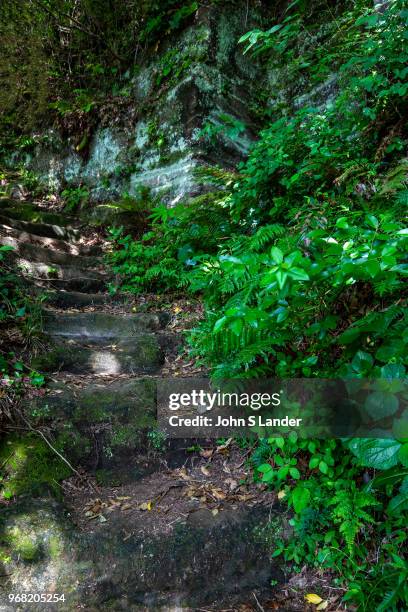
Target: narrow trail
150, 525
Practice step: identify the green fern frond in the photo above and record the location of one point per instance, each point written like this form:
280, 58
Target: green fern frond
402, 198
265, 235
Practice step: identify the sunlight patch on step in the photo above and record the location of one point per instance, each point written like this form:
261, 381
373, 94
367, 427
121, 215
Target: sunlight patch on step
104, 362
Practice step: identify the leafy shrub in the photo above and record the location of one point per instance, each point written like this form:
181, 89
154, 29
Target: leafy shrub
20, 319
75, 197
339, 519
162, 258
301, 260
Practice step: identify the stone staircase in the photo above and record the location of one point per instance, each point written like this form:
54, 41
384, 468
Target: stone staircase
102, 362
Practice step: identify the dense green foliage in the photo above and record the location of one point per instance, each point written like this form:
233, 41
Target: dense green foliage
302, 262
300, 256
72, 57
343, 519
20, 324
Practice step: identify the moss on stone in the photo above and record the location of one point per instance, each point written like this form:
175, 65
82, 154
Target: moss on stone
95, 408
29, 467
73, 442
129, 435
55, 546
24, 545
52, 359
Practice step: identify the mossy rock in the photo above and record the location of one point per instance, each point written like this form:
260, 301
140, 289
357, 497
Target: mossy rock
102, 326
29, 467
141, 354
36, 545
27, 212
208, 558
101, 427
24, 545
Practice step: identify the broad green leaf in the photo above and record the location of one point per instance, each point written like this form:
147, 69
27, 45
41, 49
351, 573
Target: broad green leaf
283, 472
373, 221
314, 462
265, 467
298, 274
280, 442
373, 267
362, 362
389, 477
323, 467
268, 476
381, 454
393, 370
236, 326
398, 503
400, 426
342, 223
300, 497
403, 454
220, 324
380, 405
281, 278
277, 255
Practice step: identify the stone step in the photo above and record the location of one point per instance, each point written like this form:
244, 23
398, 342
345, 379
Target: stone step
76, 299
190, 559
39, 254
50, 243
64, 277
100, 326
140, 354
114, 416
42, 229
24, 211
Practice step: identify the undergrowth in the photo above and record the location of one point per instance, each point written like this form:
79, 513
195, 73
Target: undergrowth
20, 330
301, 260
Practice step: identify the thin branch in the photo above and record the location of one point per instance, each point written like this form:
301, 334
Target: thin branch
54, 450
77, 26
258, 604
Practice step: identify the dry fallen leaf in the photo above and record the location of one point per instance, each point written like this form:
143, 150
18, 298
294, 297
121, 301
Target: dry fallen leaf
231, 483
146, 506
323, 605
95, 507
207, 454
224, 447
313, 598
205, 470
246, 497
218, 494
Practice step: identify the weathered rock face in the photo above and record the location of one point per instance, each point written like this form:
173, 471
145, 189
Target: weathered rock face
200, 78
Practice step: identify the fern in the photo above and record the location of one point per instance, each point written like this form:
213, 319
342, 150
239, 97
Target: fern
349, 511
401, 198
265, 235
